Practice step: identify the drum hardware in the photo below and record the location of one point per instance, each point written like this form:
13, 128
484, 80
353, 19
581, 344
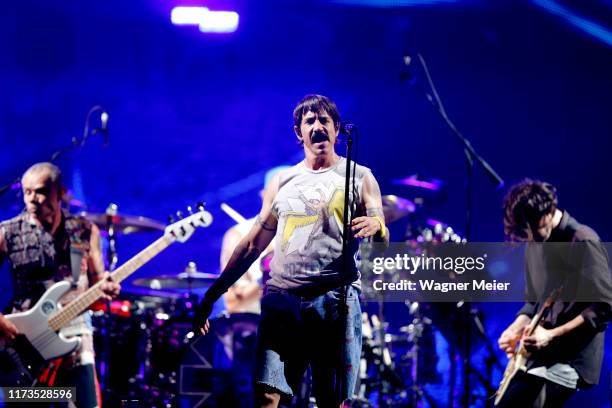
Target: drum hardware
72, 203
414, 332
127, 335
142, 339
395, 208
471, 156
111, 224
146, 334
189, 279
111, 255
132, 350
233, 214
418, 182
218, 368
380, 383
122, 224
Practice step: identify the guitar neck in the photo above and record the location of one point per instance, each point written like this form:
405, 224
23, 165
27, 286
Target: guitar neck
87, 298
535, 321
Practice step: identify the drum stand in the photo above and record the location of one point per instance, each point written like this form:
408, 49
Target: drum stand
415, 332
111, 260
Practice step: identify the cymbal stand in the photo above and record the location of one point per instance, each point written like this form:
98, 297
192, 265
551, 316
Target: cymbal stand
111, 261
415, 332
388, 381
111, 254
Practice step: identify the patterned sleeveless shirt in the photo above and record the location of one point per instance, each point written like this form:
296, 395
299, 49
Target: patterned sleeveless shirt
309, 207
39, 259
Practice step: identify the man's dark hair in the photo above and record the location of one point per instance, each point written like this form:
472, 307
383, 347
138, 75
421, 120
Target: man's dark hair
317, 104
525, 205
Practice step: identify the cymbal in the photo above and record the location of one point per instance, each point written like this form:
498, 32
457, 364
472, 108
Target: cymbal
421, 183
123, 224
395, 207
191, 278
180, 281
72, 202
147, 294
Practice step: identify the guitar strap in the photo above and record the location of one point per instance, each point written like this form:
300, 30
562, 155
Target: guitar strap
76, 259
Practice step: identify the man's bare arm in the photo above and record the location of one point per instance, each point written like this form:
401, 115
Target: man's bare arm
95, 266
237, 295
3, 247
95, 261
246, 252
373, 224
231, 239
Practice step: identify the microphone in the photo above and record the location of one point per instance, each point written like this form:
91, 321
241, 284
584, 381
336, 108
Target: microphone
406, 73
347, 127
104, 127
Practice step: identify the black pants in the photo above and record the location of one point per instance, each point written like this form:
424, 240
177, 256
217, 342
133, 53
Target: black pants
524, 390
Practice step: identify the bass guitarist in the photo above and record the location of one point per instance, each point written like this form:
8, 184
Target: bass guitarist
567, 347
45, 244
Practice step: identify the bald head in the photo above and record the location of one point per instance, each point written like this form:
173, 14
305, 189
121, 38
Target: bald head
50, 170
42, 191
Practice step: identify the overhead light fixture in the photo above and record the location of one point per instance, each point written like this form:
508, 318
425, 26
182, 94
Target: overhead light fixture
187, 15
208, 21
219, 22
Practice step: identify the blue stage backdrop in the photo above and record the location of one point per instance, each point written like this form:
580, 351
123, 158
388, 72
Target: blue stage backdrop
201, 116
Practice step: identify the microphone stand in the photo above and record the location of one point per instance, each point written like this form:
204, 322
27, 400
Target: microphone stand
343, 305
75, 144
471, 156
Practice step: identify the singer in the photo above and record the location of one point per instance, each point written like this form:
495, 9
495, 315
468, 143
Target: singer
303, 210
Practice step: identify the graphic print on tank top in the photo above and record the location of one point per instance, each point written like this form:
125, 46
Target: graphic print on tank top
311, 214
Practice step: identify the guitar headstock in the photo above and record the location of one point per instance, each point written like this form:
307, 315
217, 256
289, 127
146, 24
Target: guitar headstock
184, 228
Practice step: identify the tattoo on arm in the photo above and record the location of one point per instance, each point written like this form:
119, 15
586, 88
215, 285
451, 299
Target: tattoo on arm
263, 224
375, 212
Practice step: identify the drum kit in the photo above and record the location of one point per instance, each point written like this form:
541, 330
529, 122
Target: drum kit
146, 351
141, 336
399, 366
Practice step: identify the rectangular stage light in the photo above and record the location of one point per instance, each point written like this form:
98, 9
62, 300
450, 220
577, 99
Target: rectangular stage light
187, 15
219, 22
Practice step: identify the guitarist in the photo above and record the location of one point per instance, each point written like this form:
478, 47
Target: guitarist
567, 347
45, 244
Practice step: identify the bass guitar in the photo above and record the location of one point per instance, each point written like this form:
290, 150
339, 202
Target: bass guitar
40, 339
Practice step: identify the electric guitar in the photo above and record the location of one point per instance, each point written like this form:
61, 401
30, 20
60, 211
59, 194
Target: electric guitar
519, 358
39, 340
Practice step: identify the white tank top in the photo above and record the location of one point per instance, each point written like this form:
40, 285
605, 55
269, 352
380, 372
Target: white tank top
309, 207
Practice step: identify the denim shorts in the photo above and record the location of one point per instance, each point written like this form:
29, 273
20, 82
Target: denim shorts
295, 332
